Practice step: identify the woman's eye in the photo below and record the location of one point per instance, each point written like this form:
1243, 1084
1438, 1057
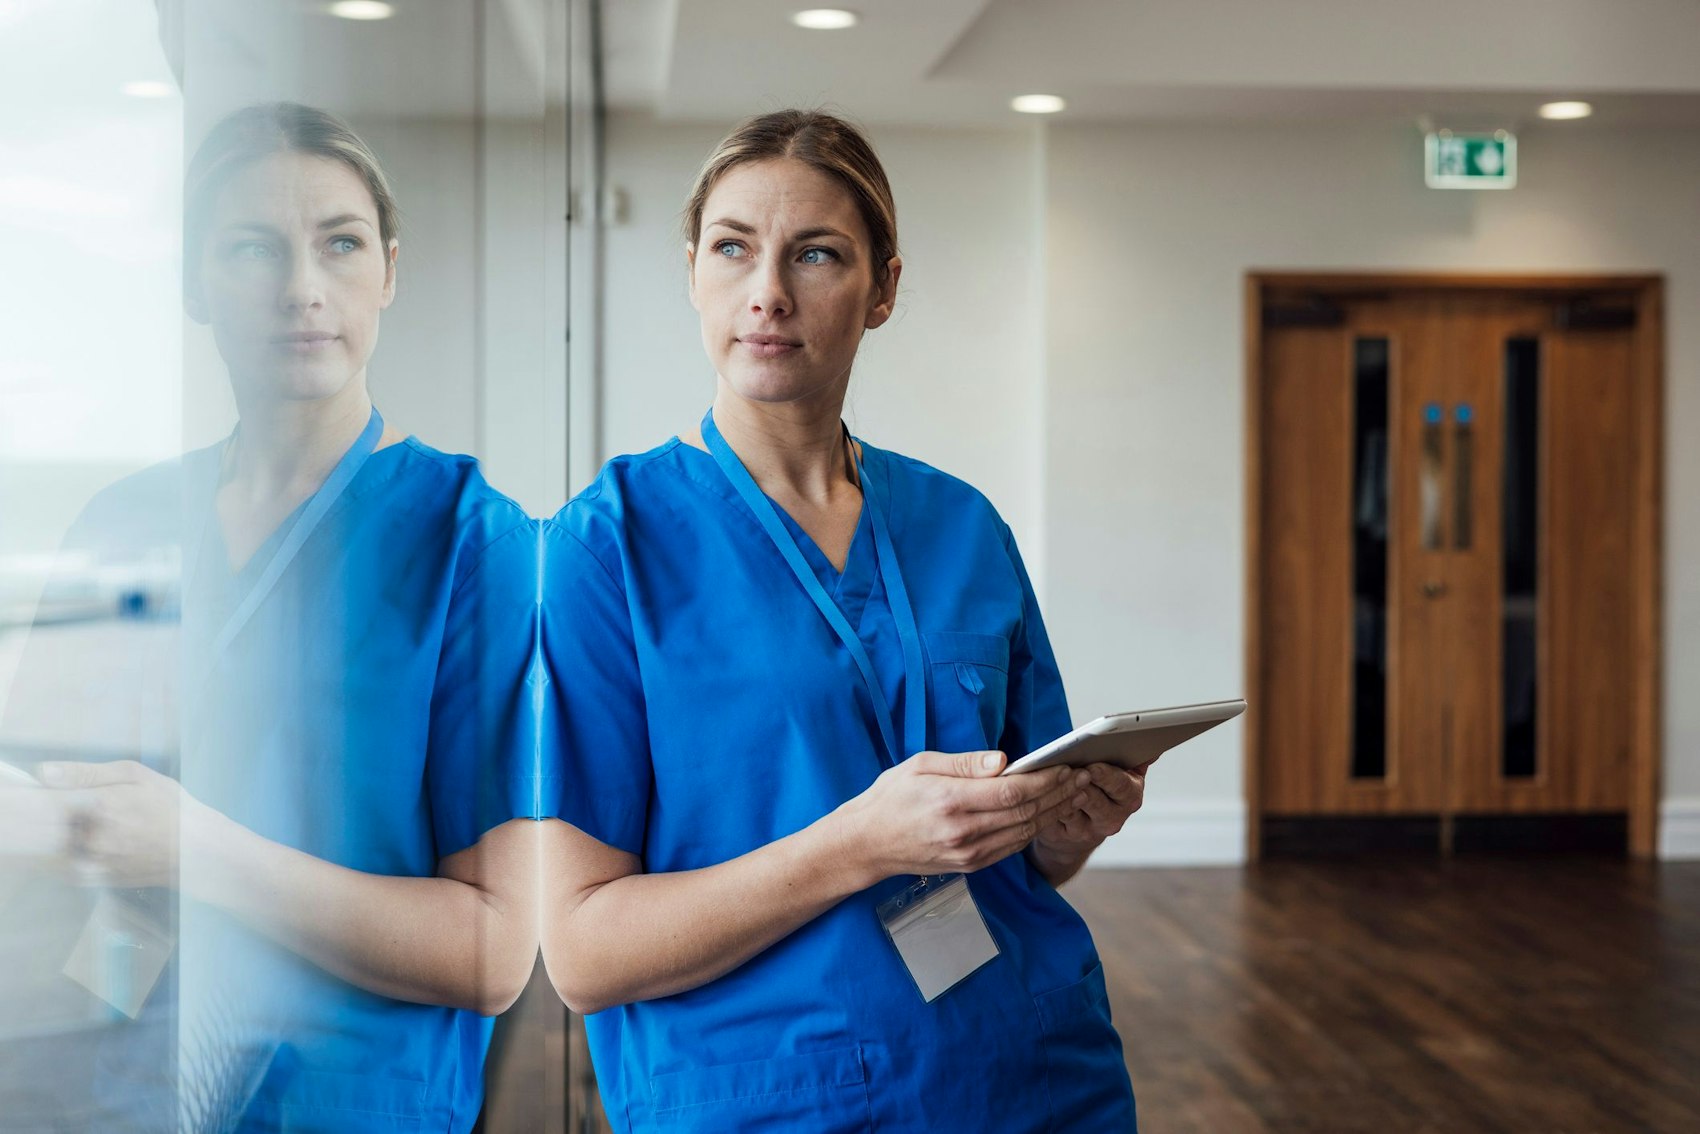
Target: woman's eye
346, 244
251, 250
728, 248
819, 256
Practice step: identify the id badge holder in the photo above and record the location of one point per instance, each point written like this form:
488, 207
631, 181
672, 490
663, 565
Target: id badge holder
120, 953
938, 931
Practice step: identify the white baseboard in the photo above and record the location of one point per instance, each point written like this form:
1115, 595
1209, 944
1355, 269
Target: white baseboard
1679, 828
1178, 834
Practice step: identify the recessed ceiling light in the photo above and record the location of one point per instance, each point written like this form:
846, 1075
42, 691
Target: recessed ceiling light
1037, 103
825, 19
1566, 110
362, 9
146, 88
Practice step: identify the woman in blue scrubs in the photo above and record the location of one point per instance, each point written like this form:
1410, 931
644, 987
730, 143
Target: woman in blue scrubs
787, 667
353, 827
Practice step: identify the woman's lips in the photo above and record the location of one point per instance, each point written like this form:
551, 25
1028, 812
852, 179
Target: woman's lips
769, 346
303, 342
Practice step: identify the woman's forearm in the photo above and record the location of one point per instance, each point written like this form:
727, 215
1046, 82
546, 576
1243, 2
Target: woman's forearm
437, 940
613, 934
642, 936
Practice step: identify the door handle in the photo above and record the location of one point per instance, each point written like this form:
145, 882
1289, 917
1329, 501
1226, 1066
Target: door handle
1433, 588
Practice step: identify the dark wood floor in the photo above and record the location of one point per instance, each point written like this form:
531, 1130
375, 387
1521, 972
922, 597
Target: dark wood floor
1475, 995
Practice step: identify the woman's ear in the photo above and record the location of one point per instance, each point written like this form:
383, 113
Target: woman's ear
392, 252
691, 272
885, 294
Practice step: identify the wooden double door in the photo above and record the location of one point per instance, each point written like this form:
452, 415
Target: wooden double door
1454, 548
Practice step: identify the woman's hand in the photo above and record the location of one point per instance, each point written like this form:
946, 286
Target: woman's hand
126, 820
1112, 795
34, 823
939, 812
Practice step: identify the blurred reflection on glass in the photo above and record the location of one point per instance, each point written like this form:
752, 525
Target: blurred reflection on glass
90, 374
350, 828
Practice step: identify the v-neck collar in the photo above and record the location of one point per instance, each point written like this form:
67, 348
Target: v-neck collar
850, 587
256, 562
856, 584
217, 543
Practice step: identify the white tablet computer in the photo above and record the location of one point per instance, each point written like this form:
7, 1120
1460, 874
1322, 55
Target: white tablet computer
1129, 739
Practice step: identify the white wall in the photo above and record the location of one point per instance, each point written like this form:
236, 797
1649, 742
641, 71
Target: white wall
473, 347
950, 380
423, 372
1150, 232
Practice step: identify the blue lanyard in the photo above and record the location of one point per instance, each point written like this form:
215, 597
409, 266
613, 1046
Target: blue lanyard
908, 632
305, 522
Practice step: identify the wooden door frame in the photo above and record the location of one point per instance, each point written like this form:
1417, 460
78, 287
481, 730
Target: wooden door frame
1646, 525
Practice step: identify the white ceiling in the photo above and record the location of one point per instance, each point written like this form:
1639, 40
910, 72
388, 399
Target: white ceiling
958, 62
1462, 63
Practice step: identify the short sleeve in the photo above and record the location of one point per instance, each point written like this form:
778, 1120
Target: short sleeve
481, 759
597, 773
1037, 707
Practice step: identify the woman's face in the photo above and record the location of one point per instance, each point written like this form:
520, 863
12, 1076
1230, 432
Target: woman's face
293, 274
782, 277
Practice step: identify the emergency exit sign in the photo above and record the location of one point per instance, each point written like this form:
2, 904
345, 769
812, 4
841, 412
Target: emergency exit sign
1470, 161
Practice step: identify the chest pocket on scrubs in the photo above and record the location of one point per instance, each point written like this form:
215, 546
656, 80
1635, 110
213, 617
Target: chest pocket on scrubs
970, 693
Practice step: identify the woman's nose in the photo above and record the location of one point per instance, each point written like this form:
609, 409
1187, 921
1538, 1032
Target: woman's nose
771, 293
303, 288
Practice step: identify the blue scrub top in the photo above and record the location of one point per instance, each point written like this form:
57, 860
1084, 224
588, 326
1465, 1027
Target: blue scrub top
706, 708
378, 711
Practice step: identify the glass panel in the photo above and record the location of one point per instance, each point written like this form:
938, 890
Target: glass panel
334, 164
1522, 517
1429, 488
1369, 559
90, 382
1463, 475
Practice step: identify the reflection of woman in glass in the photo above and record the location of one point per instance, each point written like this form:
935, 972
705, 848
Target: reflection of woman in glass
789, 667
352, 829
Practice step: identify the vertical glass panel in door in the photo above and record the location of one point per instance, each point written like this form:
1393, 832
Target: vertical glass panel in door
1430, 491
1521, 567
1369, 527
1463, 474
